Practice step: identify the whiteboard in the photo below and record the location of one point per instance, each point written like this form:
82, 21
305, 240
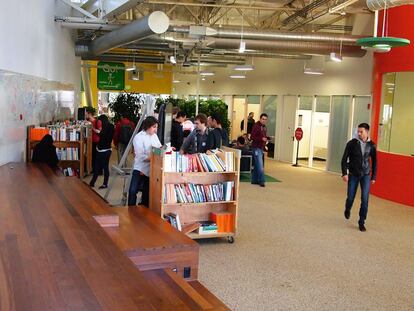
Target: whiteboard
27, 100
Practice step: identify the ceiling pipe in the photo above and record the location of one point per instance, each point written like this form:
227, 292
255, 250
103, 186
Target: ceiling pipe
264, 55
375, 5
312, 48
155, 23
234, 33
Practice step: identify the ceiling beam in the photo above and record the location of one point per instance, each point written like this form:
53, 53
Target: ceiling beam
79, 9
223, 6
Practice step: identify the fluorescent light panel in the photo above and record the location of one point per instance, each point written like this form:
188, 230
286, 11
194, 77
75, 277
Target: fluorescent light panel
244, 68
206, 73
132, 68
335, 57
172, 59
310, 71
238, 76
242, 47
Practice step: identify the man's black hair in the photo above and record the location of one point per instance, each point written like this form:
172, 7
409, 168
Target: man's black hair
181, 114
148, 122
217, 117
263, 115
364, 125
241, 140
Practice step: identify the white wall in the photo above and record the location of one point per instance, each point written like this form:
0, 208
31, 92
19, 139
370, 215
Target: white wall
32, 43
282, 76
34, 49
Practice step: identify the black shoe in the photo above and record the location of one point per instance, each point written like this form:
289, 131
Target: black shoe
103, 187
347, 213
262, 185
362, 228
255, 183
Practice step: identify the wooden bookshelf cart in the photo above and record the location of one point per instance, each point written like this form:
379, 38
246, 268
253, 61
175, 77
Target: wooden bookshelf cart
193, 212
83, 145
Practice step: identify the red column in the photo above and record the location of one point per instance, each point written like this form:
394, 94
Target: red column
395, 180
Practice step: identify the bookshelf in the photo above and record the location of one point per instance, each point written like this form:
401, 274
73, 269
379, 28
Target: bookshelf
77, 157
194, 212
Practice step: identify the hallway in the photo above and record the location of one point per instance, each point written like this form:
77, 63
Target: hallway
299, 253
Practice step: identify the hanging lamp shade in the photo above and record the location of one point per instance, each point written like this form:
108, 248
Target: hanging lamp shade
382, 42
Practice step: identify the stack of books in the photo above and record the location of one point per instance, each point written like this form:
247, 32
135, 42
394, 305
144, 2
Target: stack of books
196, 193
64, 133
207, 227
67, 154
174, 220
217, 161
70, 172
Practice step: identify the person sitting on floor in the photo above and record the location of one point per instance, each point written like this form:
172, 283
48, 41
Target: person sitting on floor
241, 145
45, 152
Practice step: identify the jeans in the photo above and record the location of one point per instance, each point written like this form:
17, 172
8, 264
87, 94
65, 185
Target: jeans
101, 163
353, 182
138, 182
258, 176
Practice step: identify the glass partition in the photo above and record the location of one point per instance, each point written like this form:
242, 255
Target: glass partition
305, 122
397, 114
338, 131
269, 107
362, 113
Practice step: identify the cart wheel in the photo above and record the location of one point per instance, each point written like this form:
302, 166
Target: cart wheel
230, 239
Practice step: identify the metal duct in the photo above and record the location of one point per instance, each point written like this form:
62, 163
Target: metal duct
272, 35
314, 48
155, 23
127, 58
375, 5
264, 55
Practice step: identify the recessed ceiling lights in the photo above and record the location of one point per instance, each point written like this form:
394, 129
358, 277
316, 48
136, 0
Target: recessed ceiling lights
244, 67
206, 73
310, 71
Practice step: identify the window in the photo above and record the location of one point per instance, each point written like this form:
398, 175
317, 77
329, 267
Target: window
397, 114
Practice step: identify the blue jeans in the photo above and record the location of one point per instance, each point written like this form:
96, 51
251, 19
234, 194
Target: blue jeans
138, 183
353, 182
258, 176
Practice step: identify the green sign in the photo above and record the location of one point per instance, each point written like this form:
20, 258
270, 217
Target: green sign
111, 76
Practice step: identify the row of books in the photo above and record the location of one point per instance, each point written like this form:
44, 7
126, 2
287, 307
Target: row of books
64, 134
67, 154
200, 162
70, 172
193, 193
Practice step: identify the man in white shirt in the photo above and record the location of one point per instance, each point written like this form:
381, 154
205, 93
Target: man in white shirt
143, 143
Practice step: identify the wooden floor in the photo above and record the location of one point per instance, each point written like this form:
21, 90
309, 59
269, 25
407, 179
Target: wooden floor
55, 256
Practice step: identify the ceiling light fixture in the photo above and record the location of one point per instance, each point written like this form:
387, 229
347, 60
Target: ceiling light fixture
244, 67
206, 73
310, 71
173, 60
238, 76
335, 57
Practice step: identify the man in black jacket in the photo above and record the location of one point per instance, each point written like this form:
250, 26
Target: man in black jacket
356, 169
177, 130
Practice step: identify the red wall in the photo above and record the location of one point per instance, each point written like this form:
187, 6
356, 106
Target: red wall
395, 180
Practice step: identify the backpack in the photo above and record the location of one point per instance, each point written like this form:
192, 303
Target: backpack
126, 134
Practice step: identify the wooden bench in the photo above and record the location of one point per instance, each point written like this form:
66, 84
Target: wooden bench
54, 255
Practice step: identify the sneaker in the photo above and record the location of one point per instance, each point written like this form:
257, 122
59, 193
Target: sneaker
262, 185
347, 213
362, 228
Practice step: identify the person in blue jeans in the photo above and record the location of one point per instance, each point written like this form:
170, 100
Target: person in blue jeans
143, 142
259, 139
359, 167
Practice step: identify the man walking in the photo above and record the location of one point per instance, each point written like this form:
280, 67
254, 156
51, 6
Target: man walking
356, 169
259, 140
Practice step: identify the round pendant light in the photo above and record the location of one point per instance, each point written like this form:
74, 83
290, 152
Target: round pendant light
382, 42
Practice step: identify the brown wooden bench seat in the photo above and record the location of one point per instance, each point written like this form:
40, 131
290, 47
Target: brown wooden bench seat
55, 256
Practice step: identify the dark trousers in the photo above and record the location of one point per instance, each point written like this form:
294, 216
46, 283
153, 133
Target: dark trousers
101, 163
138, 183
353, 182
94, 152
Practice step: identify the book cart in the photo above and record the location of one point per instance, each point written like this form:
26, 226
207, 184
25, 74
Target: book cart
81, 147
193, 213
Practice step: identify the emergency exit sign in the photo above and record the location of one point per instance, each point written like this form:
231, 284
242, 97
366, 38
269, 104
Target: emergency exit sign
111, 76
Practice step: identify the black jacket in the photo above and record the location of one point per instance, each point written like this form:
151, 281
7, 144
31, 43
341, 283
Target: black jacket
357, 163
176, 135
105, 137
217, 138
